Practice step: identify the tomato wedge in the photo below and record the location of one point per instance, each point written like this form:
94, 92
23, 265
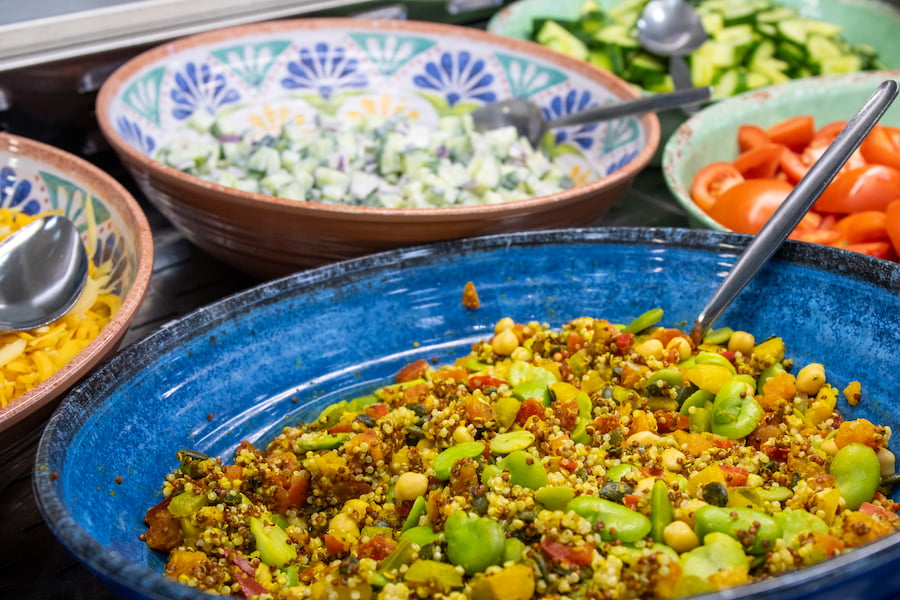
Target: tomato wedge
862, 227
751, 136
760, 162
878, 147
892, 223
711, 181
880, 249
871, 187
746, 206
796, 132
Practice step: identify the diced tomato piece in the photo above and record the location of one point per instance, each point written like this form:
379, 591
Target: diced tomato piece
623, 342
455, 373
581, 555
483, 382
530, 407
298, 490
630, 500
574, 342
249, 586
332, 544
734, 476
568, 464
413, 370
376, 411
378, 547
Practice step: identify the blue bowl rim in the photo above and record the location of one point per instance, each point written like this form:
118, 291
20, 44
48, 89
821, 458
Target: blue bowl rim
78, 404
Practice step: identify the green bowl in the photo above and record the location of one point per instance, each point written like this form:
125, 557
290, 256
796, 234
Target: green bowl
711, 134
863, 21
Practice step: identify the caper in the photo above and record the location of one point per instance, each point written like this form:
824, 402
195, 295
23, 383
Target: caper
715, 493
891, 481
480, 505
417, 408
615, 491
193, 463
232, 497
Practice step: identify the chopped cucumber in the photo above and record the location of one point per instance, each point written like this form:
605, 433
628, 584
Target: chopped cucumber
797, 46
392, 162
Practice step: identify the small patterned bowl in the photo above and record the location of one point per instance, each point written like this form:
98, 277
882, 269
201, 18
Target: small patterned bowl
37, 178
711, 134
268, 73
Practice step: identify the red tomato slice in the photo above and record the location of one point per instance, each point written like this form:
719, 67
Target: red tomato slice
861, 227
828, 133
760, 162
796, 132
879, 148
892, 223
751, 136
871, 187
826, 237
746, 207
711, 181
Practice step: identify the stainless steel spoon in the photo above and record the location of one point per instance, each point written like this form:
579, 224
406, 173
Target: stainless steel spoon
529, 121
672, 28
43, 270
795, 206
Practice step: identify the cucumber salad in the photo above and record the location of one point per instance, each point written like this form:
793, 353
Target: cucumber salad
381, 161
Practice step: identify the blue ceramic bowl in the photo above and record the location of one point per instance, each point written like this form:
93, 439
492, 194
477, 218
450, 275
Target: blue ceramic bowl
248, 365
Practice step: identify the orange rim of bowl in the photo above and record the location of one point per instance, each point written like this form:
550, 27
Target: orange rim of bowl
131, 213
617, 86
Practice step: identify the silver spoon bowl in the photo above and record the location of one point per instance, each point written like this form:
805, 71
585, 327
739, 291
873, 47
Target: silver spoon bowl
795, 206
529, 121
43, 270
672, 28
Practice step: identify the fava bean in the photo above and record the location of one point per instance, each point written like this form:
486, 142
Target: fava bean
794, 522
320, 441
671, 376
618, 522
585, 408
474, 543
532, 389
700, 420
554, 497
443, 462
767, 374
735, 412
513, 550
719, 552
648, 319
704, 357
617, 472
756, 531
857, 473
504, 443
718, 336
524, 470
699, 399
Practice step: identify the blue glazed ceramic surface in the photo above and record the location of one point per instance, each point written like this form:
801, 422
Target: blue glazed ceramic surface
246, 366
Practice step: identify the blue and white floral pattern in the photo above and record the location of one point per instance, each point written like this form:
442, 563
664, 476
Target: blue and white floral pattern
459, 77
324, 69
316, 70
132, 133
198, 87
30, 186
572, 102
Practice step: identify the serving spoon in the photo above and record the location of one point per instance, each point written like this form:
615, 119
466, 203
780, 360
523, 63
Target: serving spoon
43, 270
795, 206
673, 29
529, 121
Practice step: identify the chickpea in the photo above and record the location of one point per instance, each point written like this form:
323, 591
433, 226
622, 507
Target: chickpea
504, 324
651, 348
811, 378
410, 486
681, 345
680, 537
742, 342
505, 342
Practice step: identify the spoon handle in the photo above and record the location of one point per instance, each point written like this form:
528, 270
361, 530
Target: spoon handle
795, 206
634, 107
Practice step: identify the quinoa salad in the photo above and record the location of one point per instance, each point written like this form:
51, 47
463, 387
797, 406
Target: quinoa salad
593, 460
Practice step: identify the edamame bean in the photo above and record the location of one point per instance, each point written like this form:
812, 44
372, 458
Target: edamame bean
857, 473
618, 522
756, 531
504, 443
443, 462
648, 319
474, 543
524, 470
735, 412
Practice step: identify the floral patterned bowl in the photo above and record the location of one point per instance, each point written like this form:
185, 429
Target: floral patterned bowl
36, 178
267, 74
